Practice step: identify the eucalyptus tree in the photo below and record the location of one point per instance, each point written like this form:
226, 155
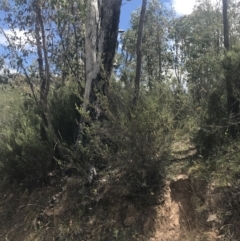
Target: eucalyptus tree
68, 51
101, 32
139, 51
226, 24
102, 20
156, 47
28, 42
198, 40
233, 21
231, 67
231, 100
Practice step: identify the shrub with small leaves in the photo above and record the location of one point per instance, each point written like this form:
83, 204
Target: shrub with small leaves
137, 138
24, 157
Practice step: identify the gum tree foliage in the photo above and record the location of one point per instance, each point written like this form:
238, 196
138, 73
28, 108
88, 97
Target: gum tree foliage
57, 38
198, 40
210, 73
63, 25
199, 43
156, 53
69, 17
231, 61
29, 39
51, 42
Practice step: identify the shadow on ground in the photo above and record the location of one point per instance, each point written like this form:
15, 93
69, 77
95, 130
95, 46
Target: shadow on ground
68, 209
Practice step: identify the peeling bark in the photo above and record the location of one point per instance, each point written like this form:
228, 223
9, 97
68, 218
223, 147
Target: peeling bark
102, 21
92, 59
110, 15
100, 46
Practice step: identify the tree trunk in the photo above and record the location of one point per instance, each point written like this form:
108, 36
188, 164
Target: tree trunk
110, 17
100, 46
102, 21
232, 101
225, 24
44, 70
139, 52
92, 58
229, 88
159, 55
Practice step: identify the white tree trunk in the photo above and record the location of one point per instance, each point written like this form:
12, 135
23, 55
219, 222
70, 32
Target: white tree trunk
102, 20
92, 56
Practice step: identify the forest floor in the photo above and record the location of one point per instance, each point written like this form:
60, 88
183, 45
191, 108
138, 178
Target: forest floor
191, 206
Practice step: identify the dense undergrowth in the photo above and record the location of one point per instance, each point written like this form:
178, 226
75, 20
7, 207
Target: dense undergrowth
138, 139
135, 144
135, 152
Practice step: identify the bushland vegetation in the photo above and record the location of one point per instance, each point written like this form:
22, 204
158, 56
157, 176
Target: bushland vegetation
83, 106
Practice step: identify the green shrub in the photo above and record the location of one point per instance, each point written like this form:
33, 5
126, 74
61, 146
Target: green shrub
216, 125
213, 124
63, 109
231, 65
3, 79
23, 156
136, 139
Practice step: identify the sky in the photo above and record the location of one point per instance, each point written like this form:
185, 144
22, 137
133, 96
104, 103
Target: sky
181, 7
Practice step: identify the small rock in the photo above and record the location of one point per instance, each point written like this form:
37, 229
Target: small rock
212, 218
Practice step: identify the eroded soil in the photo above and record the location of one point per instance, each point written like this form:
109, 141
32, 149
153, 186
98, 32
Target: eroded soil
185, 209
